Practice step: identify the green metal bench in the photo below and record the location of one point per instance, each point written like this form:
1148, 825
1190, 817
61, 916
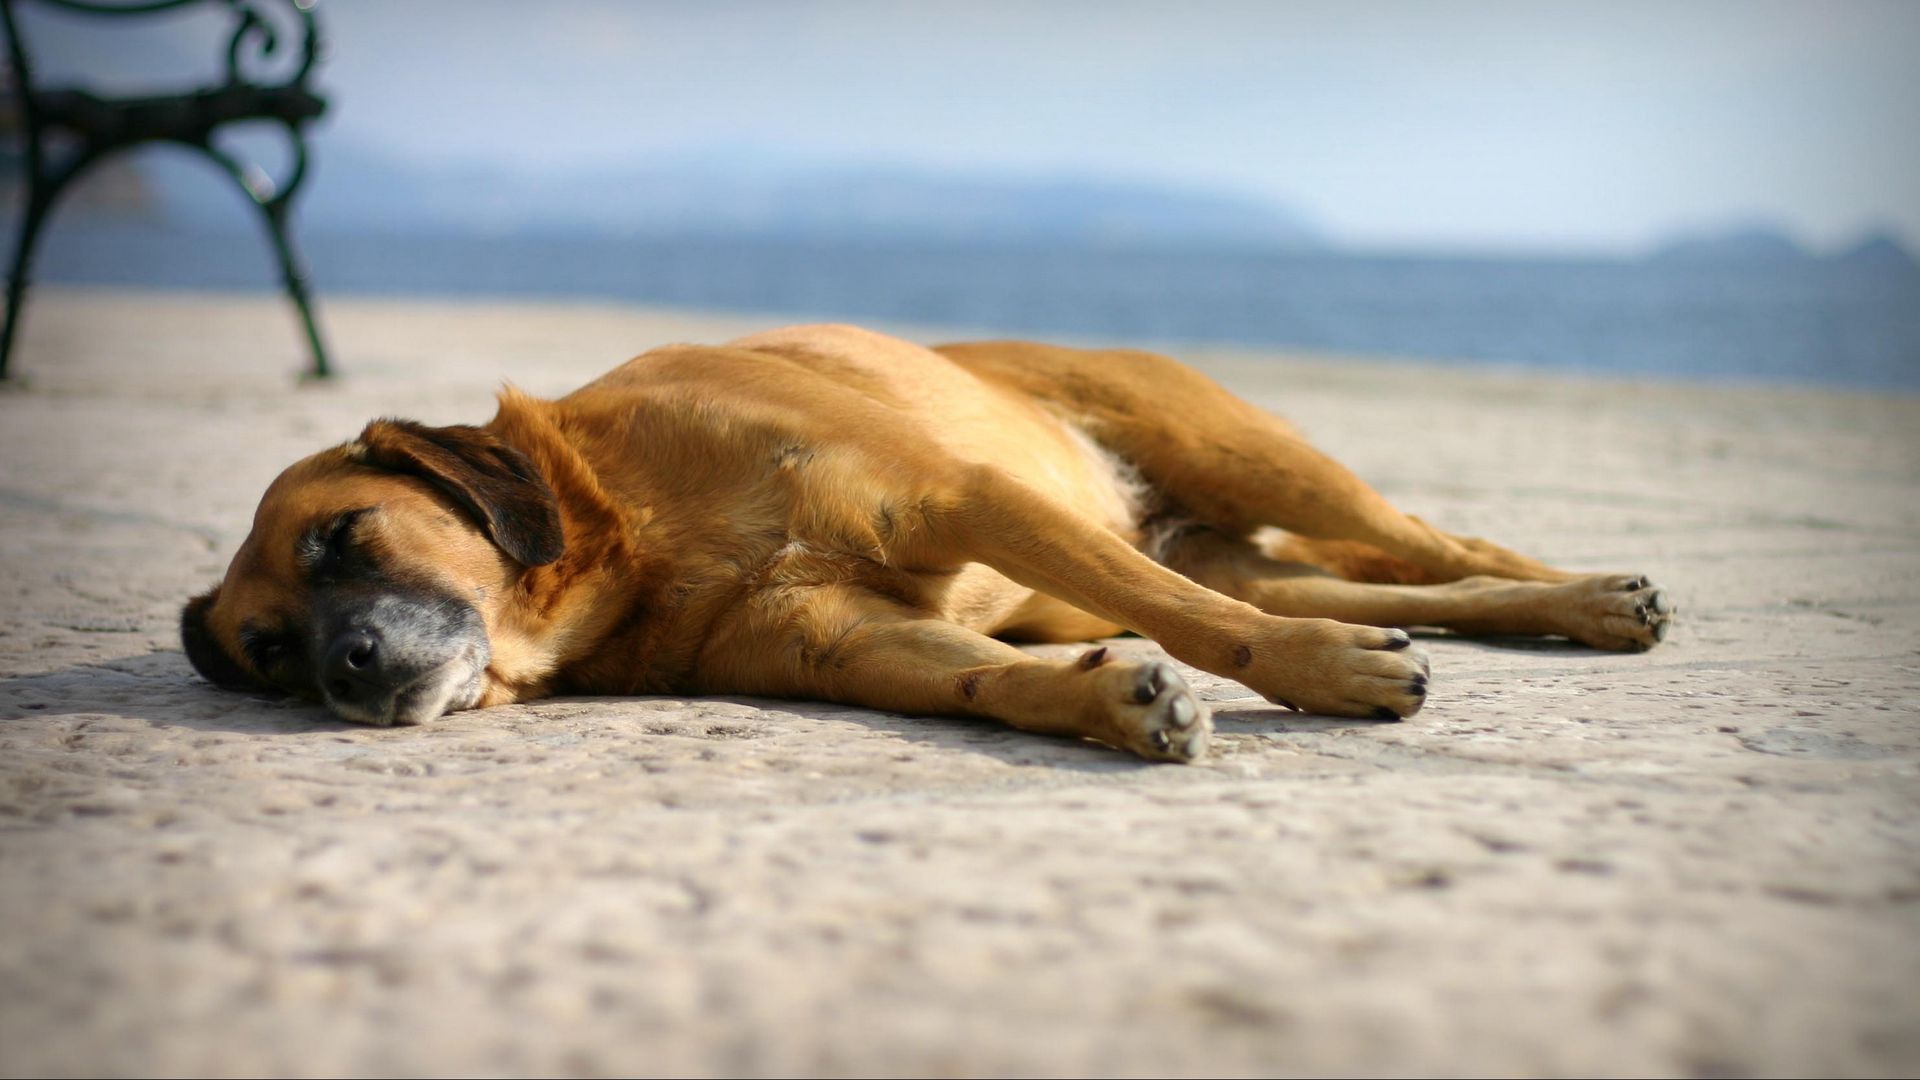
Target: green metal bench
67, 130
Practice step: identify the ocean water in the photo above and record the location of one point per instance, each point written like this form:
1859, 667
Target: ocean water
1812, 321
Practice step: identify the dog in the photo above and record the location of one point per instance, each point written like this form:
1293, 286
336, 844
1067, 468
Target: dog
826, 512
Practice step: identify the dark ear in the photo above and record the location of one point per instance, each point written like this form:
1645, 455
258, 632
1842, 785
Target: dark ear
203, 649
495, 483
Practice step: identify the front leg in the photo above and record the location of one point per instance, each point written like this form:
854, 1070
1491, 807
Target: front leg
842, 644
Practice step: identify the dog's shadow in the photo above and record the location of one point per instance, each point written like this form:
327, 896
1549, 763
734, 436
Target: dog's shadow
1507, 643
1244, 718
161, 689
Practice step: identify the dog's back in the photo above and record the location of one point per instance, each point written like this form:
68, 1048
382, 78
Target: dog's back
852, 404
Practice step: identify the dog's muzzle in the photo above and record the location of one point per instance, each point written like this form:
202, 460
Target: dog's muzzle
395, 659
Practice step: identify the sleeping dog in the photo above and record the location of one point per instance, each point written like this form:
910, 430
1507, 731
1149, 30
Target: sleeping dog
825, 512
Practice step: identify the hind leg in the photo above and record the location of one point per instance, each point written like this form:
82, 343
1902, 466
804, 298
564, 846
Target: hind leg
981, 514
1221, 461
1605, 611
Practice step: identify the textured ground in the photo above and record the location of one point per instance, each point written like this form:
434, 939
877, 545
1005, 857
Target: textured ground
1702, 860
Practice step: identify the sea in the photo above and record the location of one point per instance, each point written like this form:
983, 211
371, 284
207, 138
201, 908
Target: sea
1817, 321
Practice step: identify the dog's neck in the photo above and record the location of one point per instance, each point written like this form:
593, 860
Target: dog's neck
556, 615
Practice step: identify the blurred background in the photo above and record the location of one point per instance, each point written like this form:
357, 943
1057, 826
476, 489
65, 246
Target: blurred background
1727, 190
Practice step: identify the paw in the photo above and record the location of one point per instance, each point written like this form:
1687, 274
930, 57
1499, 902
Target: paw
1336, 669
1620, 612
1150, 710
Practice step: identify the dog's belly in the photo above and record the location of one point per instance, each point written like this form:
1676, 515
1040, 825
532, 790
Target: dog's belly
982, 599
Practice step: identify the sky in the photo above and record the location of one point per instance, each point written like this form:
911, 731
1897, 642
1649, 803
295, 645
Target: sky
1438, 125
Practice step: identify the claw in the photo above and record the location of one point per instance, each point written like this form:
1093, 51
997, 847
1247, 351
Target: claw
1181, 713
1149, 685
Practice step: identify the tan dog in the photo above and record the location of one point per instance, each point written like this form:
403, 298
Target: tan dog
824, 512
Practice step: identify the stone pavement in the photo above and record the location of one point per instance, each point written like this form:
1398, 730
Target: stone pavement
1703, 860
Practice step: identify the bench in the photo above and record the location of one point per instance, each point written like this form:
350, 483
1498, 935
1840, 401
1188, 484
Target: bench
67, 130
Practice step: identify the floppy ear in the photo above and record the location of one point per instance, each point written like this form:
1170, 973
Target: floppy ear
203, 649
497, 484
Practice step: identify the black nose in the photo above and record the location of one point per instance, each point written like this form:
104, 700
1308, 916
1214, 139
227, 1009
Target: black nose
352, 665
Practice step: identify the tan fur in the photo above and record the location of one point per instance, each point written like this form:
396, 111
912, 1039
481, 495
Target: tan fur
826, 512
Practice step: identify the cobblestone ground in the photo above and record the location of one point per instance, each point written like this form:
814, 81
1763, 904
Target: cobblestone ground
1701, 860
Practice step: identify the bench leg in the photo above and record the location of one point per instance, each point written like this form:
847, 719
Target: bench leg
33, 215
275, 209
295, 280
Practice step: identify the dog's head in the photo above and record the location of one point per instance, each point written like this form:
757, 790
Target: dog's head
373, 571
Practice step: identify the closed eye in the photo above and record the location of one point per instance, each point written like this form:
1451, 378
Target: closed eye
265, 649
340, 536
325, 549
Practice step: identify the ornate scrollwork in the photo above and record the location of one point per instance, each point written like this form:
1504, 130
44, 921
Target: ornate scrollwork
256, 27
256, 32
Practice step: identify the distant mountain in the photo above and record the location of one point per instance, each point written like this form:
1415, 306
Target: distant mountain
1880, 251
1745, 244
357, 192
1763, 244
